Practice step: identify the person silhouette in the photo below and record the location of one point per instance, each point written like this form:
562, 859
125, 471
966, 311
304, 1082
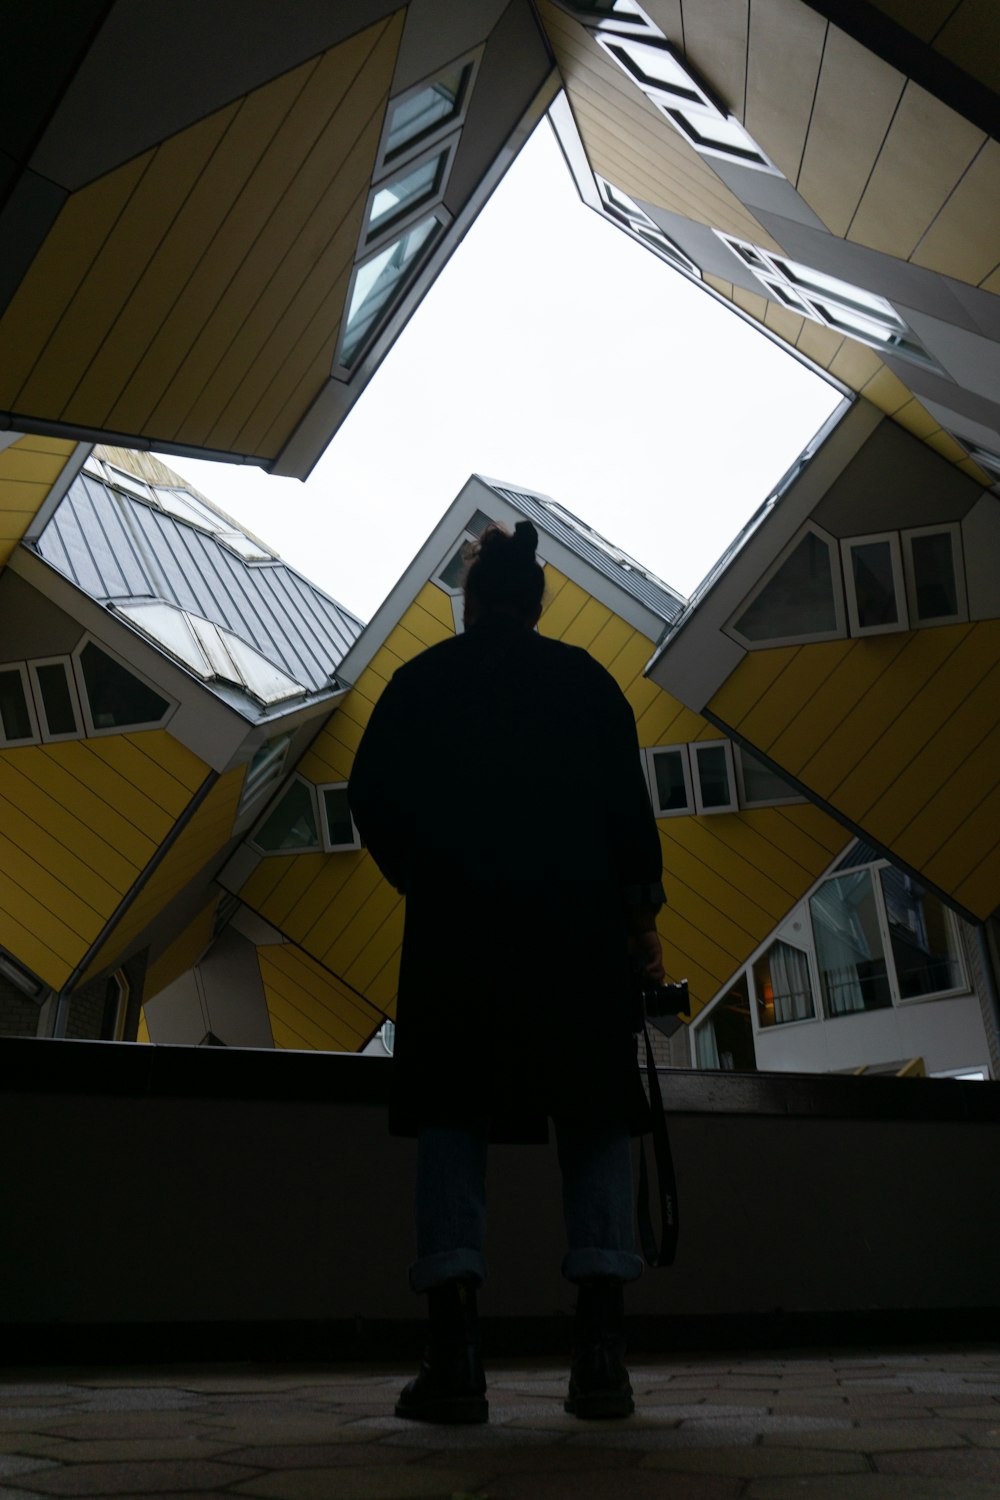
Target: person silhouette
498, 785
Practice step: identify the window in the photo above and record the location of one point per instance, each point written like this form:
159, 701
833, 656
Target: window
623, 16
17, 714
21, 978
724, 1039
784, 989
450, 576
836, 304
799, 597
849, 949
264, 769
759, 784
873, 574
670, 780
291, 827
378, 281
922, 938
398, 199
713, 776
427, 111
935, 585
669, 85
339, 831
113, 697
56, 698
620, 207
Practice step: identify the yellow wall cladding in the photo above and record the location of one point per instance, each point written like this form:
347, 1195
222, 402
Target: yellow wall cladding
730, 878
203, 836
311, 1008
181, 954
194, 294
28, 470
900, 733
79, 821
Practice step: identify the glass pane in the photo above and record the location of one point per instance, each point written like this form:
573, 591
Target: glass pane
921, 935
725, 1040
60, 715
760, 783
340, 827
655, 66
452, 575
707, 128
671, 788
874, 587
712, 770
377, 282
292, 824
416, 116
844, 293
403, 193
936, 596
117, 699
14, 707
784, 993
849, 945
798, 600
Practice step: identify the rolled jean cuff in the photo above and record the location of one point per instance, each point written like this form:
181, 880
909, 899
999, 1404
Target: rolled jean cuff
581, 1265
447, 1265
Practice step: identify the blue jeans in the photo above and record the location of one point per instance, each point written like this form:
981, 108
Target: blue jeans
596, 1166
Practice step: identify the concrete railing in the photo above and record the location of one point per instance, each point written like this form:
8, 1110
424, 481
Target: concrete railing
149, 1189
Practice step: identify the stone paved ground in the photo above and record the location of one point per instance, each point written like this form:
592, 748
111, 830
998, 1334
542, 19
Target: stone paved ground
881, 1425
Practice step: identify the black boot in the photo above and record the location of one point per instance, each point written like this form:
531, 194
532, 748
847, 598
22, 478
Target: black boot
451, 1385
598, 1382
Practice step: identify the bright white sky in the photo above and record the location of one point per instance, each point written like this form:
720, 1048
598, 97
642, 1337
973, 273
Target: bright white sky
558, 355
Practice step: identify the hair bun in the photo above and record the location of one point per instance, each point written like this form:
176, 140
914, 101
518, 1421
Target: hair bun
526, 538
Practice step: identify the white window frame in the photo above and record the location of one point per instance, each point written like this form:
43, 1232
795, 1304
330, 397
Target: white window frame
319, 818
836, 577
688, 106
806, 946
955, 990
84, 700
326, 838
431, 210
409, 152
22, 669
648, 756
66, 662
624, 24
397, 224
624, 212
727, 746
944, 528
902, 622
747, 802
268, 773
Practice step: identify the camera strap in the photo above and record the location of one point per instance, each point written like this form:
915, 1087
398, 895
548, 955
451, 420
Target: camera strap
666, 1181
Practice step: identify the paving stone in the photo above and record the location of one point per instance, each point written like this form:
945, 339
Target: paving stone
128, 1450
316, 1455
875, 1437
950, 1463
130, 1478
750, 1462
392, 1482
868, 1487
640, 1484
240, 1432
14, 1464
101, 1426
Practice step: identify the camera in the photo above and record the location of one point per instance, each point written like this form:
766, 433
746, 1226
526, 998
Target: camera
660, 1005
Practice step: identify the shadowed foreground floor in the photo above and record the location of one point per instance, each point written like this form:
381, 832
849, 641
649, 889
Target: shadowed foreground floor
855, 1425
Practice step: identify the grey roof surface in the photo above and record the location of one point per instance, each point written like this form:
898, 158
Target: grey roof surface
549, 516
117, 548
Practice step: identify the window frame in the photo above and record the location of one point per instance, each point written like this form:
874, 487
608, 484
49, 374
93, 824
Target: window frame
6, 742
66, 662
808, 947
627, 215
902, 621
273, 769
694, 747
127, 666
326, 838
942, 528
648, 756
273, 806
386, 164
748, 804
840, 631
395, 224
898, 998
443, 219
597, 20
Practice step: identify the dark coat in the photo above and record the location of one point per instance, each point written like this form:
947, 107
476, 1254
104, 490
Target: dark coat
499, 785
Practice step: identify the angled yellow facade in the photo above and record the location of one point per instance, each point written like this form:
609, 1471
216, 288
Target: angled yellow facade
29, 468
